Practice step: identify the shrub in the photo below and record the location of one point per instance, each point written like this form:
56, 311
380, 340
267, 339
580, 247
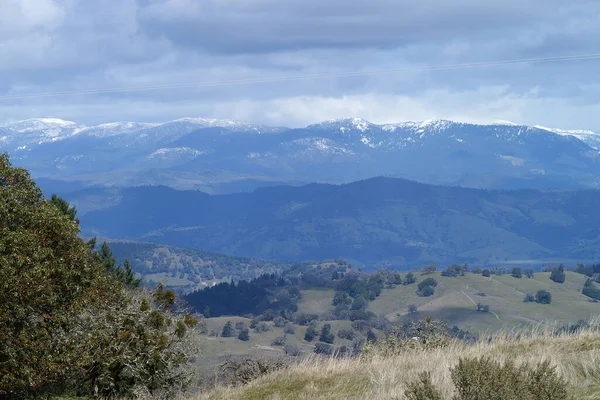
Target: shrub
592, 292
323, 348
306, 319
310, 334
487, 273
289, 329
244, 334
262, 326
279, 322
291, 350
424, 334
483, 307
242, 372
240, 325
543, 297
485, 379
361, 325
412, 308
422, 389
279, 341
346, 333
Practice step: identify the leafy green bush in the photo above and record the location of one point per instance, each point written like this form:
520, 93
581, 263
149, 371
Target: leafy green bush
421, 335
543, 297
485, 379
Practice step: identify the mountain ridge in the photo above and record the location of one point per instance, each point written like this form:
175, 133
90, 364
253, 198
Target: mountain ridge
221, 156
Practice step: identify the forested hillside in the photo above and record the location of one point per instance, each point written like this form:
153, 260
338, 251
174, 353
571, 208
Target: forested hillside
376, 222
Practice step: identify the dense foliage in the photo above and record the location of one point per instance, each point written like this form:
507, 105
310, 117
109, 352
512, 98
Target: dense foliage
69, 317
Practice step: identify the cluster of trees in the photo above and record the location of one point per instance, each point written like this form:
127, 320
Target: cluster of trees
541, 297
70, 317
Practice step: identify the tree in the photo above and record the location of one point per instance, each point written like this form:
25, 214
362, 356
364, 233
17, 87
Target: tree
227, 330
517, 273
429, 269
341, 298
326, 335
529, 273
487, 273
360, 303
291, 350
409, 279
543, 297
310, 334
65, 321
244, 334
426, 291
558, 274
412, 308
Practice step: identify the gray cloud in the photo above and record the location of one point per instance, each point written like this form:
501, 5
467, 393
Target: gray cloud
73, 45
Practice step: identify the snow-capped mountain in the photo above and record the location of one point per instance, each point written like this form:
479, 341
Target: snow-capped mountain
213, 154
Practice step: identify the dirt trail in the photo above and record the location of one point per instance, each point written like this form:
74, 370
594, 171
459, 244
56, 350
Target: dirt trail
475, 304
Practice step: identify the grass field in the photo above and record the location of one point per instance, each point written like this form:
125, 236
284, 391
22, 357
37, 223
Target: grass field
576, 358
217, 349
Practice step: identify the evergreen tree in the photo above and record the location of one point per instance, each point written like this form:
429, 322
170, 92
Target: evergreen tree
227, 330
65, 208
326, 335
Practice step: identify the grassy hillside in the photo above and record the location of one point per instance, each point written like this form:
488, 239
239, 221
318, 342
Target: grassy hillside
504, 294
376, 222
576, 357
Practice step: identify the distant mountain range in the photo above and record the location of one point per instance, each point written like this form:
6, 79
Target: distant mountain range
373, 223
222, 156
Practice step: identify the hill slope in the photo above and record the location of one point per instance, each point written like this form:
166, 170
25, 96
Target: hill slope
376, 222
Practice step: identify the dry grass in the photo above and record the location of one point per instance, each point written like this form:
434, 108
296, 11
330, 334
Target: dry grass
576, 357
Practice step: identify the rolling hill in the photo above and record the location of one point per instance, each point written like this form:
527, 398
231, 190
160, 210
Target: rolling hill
373, 223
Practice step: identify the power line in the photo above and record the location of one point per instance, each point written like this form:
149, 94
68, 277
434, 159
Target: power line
309, 77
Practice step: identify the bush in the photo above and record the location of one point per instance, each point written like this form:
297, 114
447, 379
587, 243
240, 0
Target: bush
279, 341
291, 350
422, 389
279, 322
487, 273
244, 334
543, 297
262, 326
242, 372
346, 333
323, 348
310, 334
483, 307
412, 308
289, 329
592, 292
306, 319
240, 325
361, 325
484, 379
425, 334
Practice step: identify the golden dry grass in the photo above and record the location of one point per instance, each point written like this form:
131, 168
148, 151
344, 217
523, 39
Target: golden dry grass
576, 357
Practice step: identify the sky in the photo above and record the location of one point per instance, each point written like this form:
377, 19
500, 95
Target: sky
49, 46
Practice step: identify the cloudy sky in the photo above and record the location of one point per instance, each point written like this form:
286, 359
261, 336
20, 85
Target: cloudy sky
49, 46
